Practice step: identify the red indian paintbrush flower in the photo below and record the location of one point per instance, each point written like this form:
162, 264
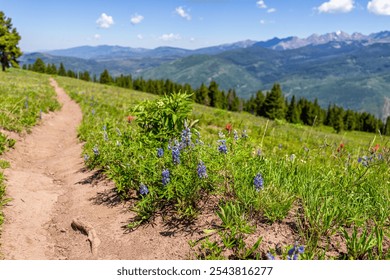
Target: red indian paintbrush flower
229, 127
130, 119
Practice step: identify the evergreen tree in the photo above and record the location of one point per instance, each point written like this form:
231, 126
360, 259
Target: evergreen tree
274, 103
9, 40
387, 127
215, 95
293, 115
202, 95
105, 77
39, 66
61, 70
259, 101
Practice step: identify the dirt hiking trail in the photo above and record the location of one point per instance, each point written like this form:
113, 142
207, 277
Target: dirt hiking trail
50, 189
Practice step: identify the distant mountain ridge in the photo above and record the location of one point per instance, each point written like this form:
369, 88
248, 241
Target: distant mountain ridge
351, 70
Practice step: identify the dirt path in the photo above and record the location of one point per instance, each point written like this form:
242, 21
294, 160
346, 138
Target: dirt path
50, 188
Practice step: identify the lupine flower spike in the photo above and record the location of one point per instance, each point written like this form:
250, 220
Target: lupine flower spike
201, 170
160, 152
222, 148
294, 252
143, 190
258, 181
165, 177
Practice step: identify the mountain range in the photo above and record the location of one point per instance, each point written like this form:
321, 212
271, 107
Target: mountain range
349, 70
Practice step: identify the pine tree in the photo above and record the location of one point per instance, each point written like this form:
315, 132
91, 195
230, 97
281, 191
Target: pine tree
61, 70
39, 66
293, 114
387, 127
9, 40
215, 95
105, 77
274, 103
259, 101
202, 95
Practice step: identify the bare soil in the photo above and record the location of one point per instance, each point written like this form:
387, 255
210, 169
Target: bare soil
50, 189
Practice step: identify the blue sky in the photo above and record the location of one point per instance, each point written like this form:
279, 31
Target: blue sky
49, 24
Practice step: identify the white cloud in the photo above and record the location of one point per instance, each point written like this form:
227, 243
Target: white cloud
262, 21
261, 4
170, 37
97, 36
336, 6
272, 10
135, 19
379, 7
140, 37
183, 13
105, 21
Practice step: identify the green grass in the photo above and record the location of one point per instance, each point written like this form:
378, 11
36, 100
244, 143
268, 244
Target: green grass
24, 96
311, 175
333, 188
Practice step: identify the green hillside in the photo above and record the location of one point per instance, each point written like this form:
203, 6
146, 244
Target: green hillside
259, 172
350, 75
179, 160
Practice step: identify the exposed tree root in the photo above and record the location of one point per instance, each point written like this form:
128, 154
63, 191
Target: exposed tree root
88, 230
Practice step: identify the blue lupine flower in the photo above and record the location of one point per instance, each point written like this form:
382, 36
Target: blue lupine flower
104, 128
202, 173
294, 252
222, 148
160, 152
244, 134
143, 190
270, 256
105, 136
165, 177
186, 137
258, 181
95, 150
86, 157
176, 154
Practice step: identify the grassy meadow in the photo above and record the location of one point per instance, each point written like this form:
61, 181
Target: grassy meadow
179, 160
24, 96
331, 189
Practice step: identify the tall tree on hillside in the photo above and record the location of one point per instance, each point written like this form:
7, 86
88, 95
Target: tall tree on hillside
105, 77
202, 95
274, 103
292, 114
9, 40
39, 66
215, 95
62, 70
387, 127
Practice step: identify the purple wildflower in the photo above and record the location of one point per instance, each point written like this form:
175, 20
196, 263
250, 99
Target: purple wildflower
143, 190
176, 155
96, 150
294, 252
258, 181
201, 170
222, 148
160, 152
165, 177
